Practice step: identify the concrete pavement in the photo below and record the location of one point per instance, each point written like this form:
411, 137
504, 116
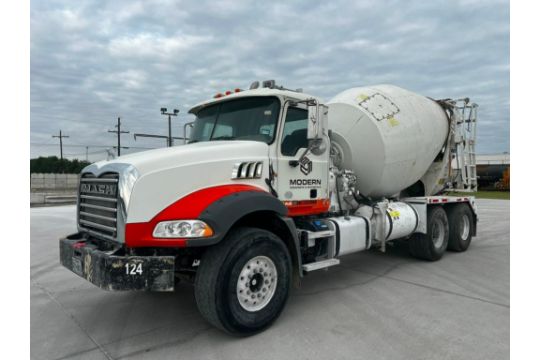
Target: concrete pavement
373, 306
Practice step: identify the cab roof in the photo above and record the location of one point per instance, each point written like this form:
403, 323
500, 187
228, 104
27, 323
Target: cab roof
287, 94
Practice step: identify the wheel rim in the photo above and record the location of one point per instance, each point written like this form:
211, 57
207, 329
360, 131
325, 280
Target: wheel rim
437, 235
465, 227
256, 283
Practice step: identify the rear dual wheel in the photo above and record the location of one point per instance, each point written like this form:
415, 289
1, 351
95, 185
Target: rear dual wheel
242, 283
431, 245
461, 222
451, 229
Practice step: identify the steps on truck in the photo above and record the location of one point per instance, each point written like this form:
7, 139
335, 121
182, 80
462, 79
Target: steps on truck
311, 236
320, 265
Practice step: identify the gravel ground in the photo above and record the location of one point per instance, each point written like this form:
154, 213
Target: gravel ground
373, 306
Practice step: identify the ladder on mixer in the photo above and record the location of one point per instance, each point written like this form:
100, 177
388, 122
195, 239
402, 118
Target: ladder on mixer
462, 143
465, 142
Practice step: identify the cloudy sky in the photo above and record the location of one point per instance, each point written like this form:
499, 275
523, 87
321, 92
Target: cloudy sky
92, 61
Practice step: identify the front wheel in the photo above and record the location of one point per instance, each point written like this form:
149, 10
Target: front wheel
242, 283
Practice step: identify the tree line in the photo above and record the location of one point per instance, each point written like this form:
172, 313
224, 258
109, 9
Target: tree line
52, 164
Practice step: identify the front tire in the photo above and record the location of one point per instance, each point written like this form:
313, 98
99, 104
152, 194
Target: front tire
242, 283
432, 245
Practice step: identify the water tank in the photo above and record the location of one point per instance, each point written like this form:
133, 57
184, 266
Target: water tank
387, 135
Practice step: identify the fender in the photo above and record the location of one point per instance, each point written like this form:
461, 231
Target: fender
223, 213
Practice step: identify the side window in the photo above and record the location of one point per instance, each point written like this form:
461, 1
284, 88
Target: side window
294, 131
204, 124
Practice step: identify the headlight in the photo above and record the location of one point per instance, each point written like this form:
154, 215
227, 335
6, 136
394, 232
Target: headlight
182, 229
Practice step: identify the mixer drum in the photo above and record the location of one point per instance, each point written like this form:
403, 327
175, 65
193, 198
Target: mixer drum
387, 135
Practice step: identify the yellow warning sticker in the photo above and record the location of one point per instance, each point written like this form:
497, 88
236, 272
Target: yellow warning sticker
392, 121
361, 97
394, 214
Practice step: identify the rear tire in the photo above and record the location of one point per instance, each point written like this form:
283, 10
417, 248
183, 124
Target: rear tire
461, 222
432, 245
242, 283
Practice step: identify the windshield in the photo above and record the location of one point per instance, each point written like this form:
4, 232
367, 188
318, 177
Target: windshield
252, 118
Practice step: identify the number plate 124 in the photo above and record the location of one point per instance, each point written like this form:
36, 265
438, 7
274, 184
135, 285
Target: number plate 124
133, 269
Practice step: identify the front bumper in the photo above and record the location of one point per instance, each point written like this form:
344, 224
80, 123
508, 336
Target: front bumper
109, 270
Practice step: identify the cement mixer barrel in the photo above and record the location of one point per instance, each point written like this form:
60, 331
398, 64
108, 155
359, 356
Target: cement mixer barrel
387, 135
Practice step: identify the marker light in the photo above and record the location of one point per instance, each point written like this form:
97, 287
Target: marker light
182, 229
237, 90
218, 95
228, 92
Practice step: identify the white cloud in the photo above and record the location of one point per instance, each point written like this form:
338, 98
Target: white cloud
92, 61
153, 45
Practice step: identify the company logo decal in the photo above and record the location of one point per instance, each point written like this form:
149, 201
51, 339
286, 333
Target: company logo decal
305, 183
106, 189
305, 165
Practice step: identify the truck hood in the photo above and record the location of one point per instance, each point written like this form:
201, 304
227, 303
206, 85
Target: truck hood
160, 159
150, 181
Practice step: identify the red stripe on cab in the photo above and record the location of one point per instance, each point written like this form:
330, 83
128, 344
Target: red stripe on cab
186, 208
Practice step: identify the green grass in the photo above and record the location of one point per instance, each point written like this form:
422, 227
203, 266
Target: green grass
501, 195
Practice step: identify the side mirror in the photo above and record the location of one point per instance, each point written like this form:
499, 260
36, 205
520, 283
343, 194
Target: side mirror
186, 125
317, 115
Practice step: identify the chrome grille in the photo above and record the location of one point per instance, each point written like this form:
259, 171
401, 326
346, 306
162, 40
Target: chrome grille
98, 205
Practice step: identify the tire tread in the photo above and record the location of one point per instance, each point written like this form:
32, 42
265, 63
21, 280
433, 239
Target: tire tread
420, 244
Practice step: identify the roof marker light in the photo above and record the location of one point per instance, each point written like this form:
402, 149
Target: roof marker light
228, 92
237, 90
218, 95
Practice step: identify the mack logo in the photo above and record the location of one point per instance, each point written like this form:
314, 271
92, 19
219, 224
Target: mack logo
106, 189
305, 165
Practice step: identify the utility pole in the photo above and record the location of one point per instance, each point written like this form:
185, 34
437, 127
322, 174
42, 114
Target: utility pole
60, 136
118, 132
174, 113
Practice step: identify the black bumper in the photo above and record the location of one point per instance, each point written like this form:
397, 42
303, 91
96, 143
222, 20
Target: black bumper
116, 272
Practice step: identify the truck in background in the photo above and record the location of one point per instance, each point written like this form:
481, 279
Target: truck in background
272, 185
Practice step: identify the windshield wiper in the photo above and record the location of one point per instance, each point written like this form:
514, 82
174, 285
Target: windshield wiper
223, 138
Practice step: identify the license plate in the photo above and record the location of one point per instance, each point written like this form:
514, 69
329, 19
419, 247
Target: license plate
76, 265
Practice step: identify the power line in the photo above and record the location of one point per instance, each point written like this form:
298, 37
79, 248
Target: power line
87, 153
60, 136
118, 132
91, 146
167, 138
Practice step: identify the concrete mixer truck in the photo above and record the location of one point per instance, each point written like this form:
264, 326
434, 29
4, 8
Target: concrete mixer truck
271, 185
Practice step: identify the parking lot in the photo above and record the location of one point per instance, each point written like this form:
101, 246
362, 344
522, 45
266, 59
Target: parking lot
373, 306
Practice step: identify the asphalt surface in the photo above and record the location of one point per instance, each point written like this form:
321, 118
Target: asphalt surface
373, 306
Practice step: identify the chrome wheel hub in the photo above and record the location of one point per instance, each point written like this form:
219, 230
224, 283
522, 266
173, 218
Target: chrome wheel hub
437, 236
465, 227
257, 283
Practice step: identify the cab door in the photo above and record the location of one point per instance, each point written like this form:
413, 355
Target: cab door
302, 178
